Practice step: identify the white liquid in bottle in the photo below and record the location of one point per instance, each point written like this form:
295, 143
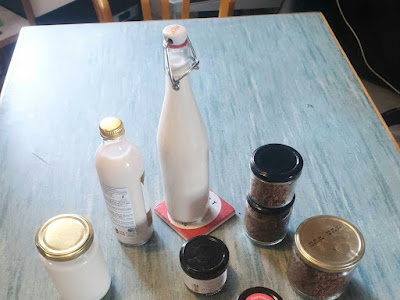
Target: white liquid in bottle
182, 140
120, 169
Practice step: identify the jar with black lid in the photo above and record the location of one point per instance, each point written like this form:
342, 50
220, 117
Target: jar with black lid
267, 225
204, 261
275, 169
326, 251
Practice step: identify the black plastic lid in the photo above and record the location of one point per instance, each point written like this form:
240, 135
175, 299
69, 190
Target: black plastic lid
269, 210
276, 163
204, 257
259, 293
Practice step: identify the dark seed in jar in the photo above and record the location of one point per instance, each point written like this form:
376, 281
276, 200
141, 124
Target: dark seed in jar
313, 282
270, 194
266, 228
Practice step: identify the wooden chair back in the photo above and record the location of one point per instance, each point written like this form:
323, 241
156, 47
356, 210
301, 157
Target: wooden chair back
104, 15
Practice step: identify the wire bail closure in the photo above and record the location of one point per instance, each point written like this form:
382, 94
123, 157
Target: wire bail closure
192, 57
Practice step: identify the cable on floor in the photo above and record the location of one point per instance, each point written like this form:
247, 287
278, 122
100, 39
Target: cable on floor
362, 51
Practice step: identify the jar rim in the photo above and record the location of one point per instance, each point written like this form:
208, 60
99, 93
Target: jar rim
276, 163
204, 257
343, 244
270, 210
64, 237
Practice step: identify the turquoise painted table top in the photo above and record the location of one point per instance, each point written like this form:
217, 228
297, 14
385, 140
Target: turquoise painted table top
262, 79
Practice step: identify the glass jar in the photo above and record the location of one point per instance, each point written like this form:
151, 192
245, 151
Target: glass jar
204, 261
259, 293
121, 173
326, 251
73, 258
275, 170
267, 225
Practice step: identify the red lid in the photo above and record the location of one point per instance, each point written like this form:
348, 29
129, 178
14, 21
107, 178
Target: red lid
259, 293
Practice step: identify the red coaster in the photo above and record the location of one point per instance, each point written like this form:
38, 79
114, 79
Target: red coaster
218, 212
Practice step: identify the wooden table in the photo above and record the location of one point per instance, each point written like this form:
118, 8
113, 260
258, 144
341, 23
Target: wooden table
264, 79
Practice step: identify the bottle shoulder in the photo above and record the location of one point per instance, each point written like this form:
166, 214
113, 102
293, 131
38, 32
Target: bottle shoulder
121, 150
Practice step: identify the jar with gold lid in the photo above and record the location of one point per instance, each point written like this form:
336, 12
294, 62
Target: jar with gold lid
326, 251
73, 258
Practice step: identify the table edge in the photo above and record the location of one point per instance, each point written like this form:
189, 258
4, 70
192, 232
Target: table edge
360, 82
397, 146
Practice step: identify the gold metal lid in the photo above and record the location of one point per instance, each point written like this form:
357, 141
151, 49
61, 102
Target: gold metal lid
111, 128
329, 244
64, 237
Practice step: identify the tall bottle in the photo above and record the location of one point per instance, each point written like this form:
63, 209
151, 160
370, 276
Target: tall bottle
121, 173
182, 137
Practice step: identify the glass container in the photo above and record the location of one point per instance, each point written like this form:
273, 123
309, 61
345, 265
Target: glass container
204, 261
325, 253
267, 225
275, 169
73, 258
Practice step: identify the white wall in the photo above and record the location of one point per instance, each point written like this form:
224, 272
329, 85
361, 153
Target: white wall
41, 7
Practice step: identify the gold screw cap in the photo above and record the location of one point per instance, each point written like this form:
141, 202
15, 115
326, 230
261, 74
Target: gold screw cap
64, 237
111, 128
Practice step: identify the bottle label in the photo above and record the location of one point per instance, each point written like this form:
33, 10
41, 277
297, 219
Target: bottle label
120, 209
205, 286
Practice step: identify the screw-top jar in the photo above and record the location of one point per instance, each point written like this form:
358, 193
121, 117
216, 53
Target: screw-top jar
204, 261
326, 251
259, 293
267, 225
73, 258
275, 170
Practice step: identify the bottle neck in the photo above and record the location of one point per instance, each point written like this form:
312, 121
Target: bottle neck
109, 142
179, 61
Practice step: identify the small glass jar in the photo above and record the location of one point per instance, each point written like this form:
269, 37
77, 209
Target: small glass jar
326, 251
204, 261
267, 226
73, 258
259, 293
275, 170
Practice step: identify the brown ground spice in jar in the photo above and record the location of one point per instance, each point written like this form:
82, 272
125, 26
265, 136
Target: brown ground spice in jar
313, 282
266, 226
270, 194
275, 169
326, 251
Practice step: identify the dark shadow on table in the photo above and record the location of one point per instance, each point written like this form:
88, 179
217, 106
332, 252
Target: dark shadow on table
278, 255
152, 251
355, 290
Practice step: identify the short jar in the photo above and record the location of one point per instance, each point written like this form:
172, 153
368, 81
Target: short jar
326, 251
275, 169
259, 293
73, 258
204, 261
267, 226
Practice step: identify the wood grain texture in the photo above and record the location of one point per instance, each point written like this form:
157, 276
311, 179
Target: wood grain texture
262, 79
28, 11
232, 4
146, 10
185, 9
165, 10
103, 11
